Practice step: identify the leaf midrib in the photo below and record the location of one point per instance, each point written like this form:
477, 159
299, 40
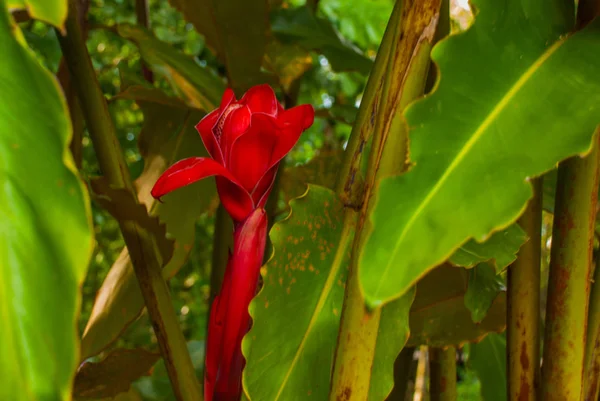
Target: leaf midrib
491, 117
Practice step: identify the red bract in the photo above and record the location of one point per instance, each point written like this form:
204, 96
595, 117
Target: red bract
229, 319
246, 140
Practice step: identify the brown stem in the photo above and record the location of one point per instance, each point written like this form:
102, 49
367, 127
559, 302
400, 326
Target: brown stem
523, 320
442, 376
140, 243
143, 18
569, 281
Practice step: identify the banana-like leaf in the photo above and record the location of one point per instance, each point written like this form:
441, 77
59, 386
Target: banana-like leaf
45, 229
518, 93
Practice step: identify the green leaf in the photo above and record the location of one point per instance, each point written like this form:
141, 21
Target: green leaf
392, 336
46, 229
114, 374
200, 87
488, 359
51, 11
484, 286
500, 249
200, 14
302, 27
438, 316
320, 170
167, 136
243, 27
478, 138
289, 350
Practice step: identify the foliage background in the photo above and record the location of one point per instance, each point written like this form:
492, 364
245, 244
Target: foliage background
334, 94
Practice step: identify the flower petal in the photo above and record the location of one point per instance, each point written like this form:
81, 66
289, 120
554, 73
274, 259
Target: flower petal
227, 98
236, 124
188, 171
205, 129
293, 121
263, 188
250, 155
261, 99
248, 251
235, 199
303, 116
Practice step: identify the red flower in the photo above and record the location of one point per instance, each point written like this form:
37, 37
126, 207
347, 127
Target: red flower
246, 140
229, 319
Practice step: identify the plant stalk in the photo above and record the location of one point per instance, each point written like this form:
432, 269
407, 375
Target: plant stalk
406, 64
523, 311
591, 378
442, 374
141, 244
143, 18
569, 281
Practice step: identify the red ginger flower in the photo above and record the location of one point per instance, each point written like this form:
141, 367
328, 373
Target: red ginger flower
229, 318
246, 140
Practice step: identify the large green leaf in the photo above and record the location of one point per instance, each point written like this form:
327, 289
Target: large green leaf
392, 336
500, 249
199, 86
479, 137
239, 44
439, 317
488, 359
51, 11
201, 14
243, 27
289, 350
302, 27
46, 229
168, 135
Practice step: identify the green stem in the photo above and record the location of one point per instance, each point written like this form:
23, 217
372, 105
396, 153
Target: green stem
591, 378
442, 374
141, 244
523, 318
569, 285
405, 79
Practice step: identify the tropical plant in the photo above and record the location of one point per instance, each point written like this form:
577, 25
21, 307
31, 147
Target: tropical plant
405, 190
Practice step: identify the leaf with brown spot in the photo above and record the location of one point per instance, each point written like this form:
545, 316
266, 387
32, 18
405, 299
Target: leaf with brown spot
114, 374
168, 135
439, 318
290, 348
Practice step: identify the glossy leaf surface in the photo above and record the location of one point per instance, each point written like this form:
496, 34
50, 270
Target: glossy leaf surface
289, 349
471, 140
45, 228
